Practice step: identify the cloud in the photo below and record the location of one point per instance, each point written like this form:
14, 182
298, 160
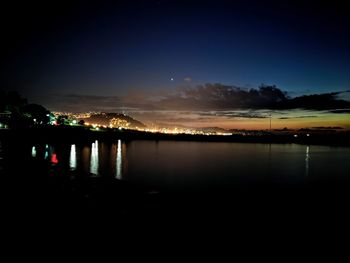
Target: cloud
328, 128
340, 111
236, 114
209, 97
220, 97
188, 79
298, 117
326, 101
223, 97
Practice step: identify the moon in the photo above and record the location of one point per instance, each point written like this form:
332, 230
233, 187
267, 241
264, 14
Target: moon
172, 79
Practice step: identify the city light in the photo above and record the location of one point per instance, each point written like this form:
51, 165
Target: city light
121, 125
94, 158
73, 157
187, 131
33, 151
307, 158
46, 151
119, 161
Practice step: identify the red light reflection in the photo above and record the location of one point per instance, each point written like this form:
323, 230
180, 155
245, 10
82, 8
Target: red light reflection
54, 158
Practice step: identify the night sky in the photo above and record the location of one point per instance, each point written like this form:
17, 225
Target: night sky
99, 55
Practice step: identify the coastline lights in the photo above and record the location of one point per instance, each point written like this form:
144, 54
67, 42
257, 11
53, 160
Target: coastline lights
94, 158
33, 151
119, 161
73, 157
175, 131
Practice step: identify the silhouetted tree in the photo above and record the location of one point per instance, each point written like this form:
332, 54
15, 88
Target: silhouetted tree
19, 113
37, 114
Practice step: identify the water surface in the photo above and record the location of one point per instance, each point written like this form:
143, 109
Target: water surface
173, 164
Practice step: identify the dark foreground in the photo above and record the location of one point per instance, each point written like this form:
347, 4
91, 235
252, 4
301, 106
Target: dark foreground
98, 213
32, 186
28, 194
35, 197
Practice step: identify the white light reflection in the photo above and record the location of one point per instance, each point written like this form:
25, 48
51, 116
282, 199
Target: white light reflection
73, 157
94, 158
46, 151
119, 161
307, 158
33, 151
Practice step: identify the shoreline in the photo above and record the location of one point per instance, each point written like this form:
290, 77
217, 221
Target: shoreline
76, 134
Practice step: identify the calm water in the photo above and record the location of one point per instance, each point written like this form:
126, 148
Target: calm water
192, 164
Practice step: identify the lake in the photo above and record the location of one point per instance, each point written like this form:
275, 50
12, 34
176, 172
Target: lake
187, 165
155, 181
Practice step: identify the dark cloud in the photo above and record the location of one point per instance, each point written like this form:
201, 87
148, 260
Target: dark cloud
326, 101
298, 117
236, 114
208, 97
328, 128
223, 97
218, 96
340, 111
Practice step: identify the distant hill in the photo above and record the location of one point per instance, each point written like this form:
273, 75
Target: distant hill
115, 119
